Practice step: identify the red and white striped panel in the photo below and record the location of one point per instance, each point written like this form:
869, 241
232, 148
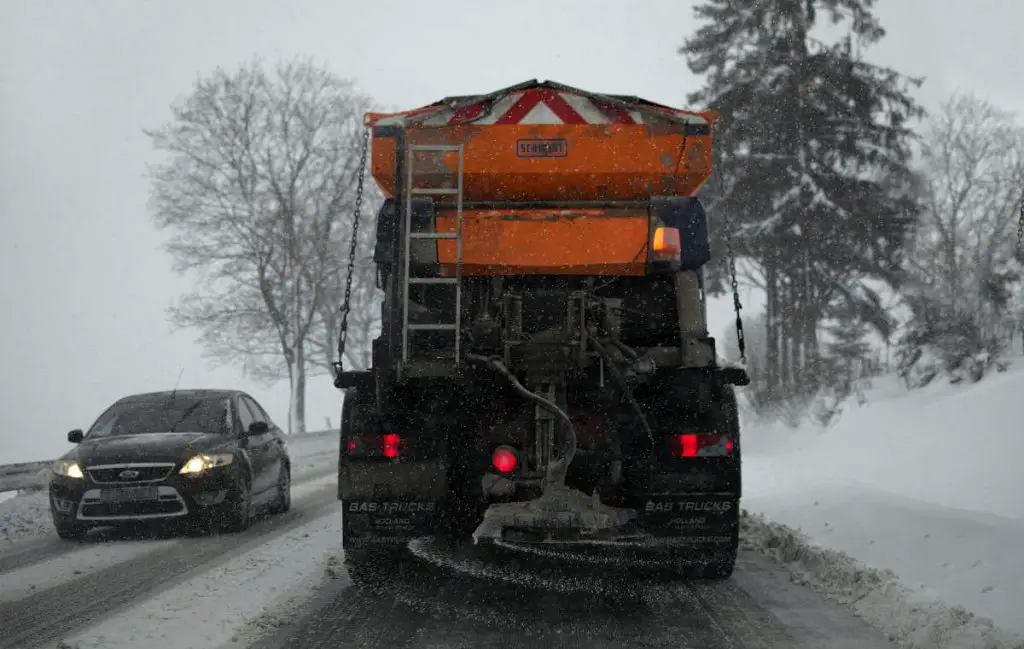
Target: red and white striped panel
534, 106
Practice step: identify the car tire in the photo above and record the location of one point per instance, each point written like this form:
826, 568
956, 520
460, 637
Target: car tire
238, 513
283, 502
70, 531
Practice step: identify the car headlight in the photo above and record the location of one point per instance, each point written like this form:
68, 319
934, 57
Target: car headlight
68, 469
201, 463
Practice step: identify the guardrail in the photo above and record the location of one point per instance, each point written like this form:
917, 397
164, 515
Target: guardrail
28, 476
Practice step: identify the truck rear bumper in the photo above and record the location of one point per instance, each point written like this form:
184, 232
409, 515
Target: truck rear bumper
392, 503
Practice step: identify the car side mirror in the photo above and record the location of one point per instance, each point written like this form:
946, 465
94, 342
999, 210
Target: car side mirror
258, 428
76, 436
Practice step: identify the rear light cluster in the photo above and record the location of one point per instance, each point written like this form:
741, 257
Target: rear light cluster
388, 445
666, 245
504, 459
701, 445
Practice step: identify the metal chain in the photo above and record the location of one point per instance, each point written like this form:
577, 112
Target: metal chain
346, 302
731, 257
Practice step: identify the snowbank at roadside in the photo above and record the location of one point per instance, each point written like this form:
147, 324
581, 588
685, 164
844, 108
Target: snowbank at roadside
913, 619
923, 485
24, 516
967, 559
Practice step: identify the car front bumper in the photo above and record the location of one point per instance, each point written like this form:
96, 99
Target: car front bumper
82, 501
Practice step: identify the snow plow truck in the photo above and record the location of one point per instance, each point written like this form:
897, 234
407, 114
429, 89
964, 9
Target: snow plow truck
544, 372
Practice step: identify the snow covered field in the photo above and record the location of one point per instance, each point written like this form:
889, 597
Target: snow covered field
926, 484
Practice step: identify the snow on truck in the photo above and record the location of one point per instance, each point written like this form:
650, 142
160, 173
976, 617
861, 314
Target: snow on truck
544, 372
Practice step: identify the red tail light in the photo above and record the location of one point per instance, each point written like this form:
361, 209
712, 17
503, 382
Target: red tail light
504, 459
391, 443
388, 445
701, 445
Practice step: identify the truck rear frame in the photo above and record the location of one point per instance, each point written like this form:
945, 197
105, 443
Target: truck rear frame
504, 366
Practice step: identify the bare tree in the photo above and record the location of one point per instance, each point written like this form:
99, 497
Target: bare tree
960, 268
973, 158
257, 189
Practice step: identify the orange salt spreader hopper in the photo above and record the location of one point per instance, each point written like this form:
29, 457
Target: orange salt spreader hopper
555, 180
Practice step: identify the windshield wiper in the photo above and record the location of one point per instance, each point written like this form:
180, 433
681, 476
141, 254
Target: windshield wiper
188, 412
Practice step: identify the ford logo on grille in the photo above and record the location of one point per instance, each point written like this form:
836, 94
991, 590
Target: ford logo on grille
128, 474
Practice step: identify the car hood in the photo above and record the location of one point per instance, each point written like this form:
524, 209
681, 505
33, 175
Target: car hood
147, 447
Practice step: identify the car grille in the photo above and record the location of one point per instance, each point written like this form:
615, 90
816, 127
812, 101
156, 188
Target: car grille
131, 503
130, 473
128, 510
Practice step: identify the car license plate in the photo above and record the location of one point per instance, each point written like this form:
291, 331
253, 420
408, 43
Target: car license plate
129, 494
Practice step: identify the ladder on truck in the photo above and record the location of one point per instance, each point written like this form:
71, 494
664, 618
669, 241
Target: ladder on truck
411, 192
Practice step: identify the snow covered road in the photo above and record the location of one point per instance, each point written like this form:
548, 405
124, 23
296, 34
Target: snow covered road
49, 599
49, 588
280, 584
470, 597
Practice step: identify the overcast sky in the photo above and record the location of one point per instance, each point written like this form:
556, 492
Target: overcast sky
85, 284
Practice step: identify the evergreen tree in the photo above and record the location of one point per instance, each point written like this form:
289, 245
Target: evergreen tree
812, 156
848, 346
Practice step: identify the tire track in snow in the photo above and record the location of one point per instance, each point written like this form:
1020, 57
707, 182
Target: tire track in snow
57, 571
46, 615
429, 607
88, 557
469, 601
239, 600
26, 553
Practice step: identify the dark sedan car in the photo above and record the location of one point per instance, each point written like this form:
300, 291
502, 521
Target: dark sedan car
208, 457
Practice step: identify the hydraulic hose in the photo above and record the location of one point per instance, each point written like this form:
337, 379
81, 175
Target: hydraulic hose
557, 470
621, 380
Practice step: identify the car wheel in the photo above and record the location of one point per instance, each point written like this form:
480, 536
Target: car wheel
283, 502
70, 531
237, 515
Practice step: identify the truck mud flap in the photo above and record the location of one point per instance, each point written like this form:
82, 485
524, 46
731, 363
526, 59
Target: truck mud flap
366, 523
701, 520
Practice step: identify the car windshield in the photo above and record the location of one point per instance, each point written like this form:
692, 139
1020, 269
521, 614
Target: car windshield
164, 415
